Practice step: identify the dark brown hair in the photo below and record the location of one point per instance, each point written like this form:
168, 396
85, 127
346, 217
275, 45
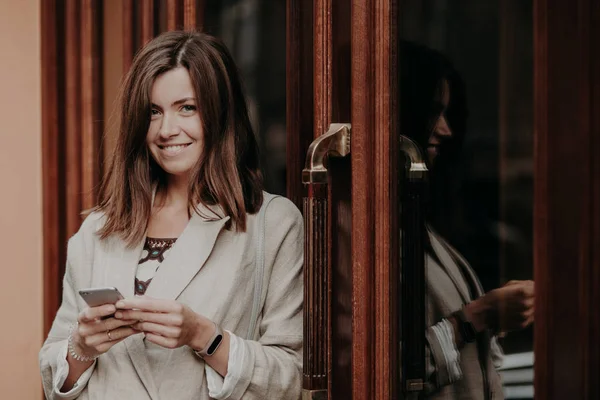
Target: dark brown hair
228, 173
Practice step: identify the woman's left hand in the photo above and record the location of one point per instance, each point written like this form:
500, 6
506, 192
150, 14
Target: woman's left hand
166, 323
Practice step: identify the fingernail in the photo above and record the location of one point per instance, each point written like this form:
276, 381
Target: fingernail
118, 314
120, 304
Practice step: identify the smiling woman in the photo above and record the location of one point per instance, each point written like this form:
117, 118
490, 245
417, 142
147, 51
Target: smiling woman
175, 132
182, 231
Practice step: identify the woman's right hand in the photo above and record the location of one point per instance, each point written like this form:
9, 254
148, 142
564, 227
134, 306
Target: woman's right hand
505, 309
94, 335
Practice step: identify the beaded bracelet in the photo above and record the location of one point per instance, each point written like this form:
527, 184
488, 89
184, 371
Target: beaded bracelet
81, 358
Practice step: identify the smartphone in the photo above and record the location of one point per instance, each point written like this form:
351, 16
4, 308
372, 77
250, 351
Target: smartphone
95, 297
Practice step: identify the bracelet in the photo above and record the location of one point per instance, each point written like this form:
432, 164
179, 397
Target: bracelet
71, 346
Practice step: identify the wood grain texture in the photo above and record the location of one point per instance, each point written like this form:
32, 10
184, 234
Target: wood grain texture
72, 126
374, 200
593, 360
52, 126
566, 199
340, 298
146, 14
72, 150
316, 288
128, 34
363, 211
322, 66
190, 14
174, 14
91, 100
299, 93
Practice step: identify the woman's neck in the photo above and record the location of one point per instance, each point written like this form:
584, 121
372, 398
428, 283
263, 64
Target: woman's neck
175, 194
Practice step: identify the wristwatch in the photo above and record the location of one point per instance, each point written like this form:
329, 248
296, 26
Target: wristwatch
465, 327
213, 344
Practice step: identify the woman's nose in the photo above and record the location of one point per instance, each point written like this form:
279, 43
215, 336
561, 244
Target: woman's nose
442, 129
168, 128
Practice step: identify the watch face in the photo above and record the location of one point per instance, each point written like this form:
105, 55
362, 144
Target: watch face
214, 345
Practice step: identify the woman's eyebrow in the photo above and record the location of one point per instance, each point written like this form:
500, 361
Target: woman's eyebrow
176, 102
181, 101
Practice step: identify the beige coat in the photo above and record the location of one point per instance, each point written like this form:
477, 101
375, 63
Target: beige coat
211, 270
449, 277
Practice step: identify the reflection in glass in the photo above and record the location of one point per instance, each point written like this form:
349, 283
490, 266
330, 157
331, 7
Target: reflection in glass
254, 31
484, 205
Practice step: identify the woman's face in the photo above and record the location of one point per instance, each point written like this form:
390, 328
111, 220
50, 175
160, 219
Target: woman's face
175, 135
441, 130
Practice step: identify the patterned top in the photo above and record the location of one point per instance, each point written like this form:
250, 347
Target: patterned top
153, 254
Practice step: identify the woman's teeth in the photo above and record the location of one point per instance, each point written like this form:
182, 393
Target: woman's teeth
174, 149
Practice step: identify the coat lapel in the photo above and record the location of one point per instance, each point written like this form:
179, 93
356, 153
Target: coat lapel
121, 265
187, 256
448, 263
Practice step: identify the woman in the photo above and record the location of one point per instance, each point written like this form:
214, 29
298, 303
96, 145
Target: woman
463, 321
175, 232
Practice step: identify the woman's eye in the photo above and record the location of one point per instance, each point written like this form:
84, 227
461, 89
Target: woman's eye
154, 112
188, 108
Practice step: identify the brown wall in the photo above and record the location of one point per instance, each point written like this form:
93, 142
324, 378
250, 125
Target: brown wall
20, 202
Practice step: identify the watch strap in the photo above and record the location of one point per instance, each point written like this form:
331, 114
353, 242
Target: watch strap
212, 345
465, 327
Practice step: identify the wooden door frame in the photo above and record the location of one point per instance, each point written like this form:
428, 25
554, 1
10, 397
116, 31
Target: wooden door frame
372, 27
567, 199
566, 186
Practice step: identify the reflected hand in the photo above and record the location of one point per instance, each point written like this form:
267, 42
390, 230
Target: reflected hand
505, 309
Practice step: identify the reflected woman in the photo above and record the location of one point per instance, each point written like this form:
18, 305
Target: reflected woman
462, 320
177, 232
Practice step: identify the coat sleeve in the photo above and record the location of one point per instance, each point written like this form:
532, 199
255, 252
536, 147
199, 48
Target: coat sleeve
52, 357
271, 367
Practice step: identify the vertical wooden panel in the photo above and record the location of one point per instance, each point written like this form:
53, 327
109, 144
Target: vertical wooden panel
316, 285
566, 204
189, 14
340, 194
593, 268
72, 113
299, 93
174, 14
128, 34
147, 20
73, 116
92, 100
322, 66
374, 177
52, 126
363, 213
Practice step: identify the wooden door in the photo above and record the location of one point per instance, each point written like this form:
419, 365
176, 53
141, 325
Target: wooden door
341, 63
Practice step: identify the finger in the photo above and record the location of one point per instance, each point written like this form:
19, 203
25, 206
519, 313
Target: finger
92, 313
169, 343
528, 291
145, 303
529, 313
103, 325
159, 318
124, 334
103, 337
529, 302
513, 282
162, 330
